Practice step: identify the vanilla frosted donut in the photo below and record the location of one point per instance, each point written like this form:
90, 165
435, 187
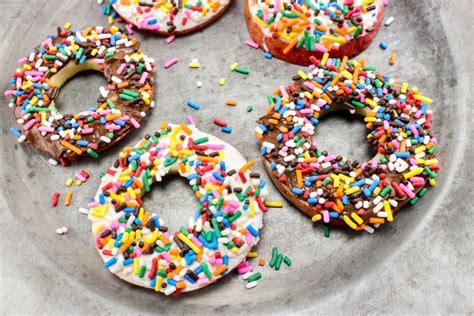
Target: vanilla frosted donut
295, 30
120, 106
134, 243
166, 17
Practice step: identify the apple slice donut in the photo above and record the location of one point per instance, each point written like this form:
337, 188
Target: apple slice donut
170, 17
295, 30
134, 243
120, 106
333, 189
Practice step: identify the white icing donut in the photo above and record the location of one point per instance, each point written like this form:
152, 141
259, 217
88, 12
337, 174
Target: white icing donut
170, 16
134, 243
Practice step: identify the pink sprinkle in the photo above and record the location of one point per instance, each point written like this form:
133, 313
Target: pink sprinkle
129, 29
29, 125
80, 177
22, 60
283, 92
252, 44
171, 62
407, 190
121, 68
325, 216
320, 48
170, 39
202, 281
86, 131
191, 120
134, 123
143, 77
196, 241
245, 270
154, 27
48, 129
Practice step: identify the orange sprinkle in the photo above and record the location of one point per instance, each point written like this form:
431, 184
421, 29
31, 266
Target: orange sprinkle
70, 146
67, 201
231, 102
220, 269
261, 262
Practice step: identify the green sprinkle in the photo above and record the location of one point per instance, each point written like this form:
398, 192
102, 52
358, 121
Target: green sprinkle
287, 261
92, 153
242, 70
278, 261
249, 108
274, 256
254, 277
142, 271
201, 140
327, 231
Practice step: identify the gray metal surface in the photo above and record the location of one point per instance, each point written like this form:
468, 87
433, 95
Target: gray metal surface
422, 263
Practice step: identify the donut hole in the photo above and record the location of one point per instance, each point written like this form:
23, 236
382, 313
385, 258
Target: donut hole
173, 212
79, 90
344, 134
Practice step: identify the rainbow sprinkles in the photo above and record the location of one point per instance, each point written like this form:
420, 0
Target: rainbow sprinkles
121, 105
134, 243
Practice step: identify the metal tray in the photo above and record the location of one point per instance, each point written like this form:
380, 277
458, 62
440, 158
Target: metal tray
420, 263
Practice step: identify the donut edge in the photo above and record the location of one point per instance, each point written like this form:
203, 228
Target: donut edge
300, 56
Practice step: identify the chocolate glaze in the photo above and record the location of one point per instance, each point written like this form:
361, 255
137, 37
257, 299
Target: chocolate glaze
342, 102
131, 108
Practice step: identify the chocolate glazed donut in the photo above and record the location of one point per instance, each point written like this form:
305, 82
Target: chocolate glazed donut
120, 107
331, 188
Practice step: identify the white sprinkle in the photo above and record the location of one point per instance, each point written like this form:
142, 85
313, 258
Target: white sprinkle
251, 285
53, 162
22, 138
199, 84
389, 21
83, 211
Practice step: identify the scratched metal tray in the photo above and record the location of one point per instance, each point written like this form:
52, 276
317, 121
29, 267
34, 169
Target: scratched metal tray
44, 272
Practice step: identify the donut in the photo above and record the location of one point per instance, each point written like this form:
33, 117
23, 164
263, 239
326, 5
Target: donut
293, 31
170, 17
134, 243
35, 85
333, 189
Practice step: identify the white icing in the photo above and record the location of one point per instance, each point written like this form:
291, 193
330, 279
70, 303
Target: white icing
193, 17
234, 160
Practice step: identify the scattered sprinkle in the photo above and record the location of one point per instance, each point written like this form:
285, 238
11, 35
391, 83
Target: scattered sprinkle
383, 45
173, 61
231, 102
193, 104
389, 21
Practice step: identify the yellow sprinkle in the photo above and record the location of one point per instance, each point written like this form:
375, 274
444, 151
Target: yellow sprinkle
188, 242
78, 182
136, 266
388, 209
333, 39
274, 204
194, 65
316, 218
69, 182
352, 190
346, 74
357, 218
423, 99
349, 223
252, 254
159, 281
302, 75
324, 59
404, 87
222, 81
67, 26
233, 66
413, 173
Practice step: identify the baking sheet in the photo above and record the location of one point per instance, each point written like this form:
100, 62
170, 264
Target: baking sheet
403, 267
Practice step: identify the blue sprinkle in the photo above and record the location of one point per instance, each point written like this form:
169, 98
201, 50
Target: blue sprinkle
109, 263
